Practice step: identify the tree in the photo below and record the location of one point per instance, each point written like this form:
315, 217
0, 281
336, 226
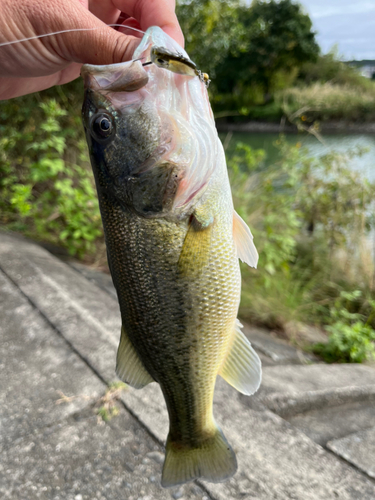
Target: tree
276, 40
212, 30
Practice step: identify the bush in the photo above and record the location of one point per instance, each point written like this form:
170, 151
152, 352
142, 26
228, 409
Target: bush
351, 338
330, 69
310, 219
46, 183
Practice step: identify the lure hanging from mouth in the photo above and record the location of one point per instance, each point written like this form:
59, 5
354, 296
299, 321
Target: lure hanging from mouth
177, 63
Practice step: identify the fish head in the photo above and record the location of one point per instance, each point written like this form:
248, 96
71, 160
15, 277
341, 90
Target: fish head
151, 133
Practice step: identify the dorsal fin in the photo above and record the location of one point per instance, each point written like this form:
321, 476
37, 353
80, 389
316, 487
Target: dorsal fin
243, 239
242, 368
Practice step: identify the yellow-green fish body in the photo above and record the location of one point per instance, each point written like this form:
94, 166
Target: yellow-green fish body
173, 242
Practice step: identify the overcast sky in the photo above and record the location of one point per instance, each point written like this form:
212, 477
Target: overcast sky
348, 23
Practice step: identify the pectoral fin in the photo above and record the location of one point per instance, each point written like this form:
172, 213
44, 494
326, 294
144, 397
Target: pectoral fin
242, 368
129, 368
243, 239
195, 251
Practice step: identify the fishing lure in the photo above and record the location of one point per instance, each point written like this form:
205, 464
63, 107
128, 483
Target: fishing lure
177, 62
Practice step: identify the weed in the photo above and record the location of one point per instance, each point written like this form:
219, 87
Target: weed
108, 403
310, 219
328, 101
351, 338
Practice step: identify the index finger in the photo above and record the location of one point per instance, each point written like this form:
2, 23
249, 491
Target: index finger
153, 13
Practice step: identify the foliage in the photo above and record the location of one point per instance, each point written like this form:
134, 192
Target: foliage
351, 338
46, 184
333, 199
330, 68
278, 38
212, 29
328, 101
249, 51
308, 217
264, 63
277, 222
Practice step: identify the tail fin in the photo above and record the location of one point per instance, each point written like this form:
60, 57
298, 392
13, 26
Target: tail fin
214, 460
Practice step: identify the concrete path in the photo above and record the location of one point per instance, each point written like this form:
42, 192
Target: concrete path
307, 434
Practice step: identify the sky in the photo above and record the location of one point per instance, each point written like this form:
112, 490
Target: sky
348, 23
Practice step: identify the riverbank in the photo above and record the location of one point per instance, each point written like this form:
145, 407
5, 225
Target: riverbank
284, 128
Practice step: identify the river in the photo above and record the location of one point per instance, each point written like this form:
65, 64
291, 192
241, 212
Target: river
334, 142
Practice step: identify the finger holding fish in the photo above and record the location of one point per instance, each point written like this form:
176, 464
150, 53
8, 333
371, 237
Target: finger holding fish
84, 37
173, 243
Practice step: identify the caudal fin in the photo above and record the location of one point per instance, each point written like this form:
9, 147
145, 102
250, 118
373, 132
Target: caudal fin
214, 460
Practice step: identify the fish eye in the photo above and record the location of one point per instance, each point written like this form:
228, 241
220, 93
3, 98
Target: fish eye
102, 126
162, 62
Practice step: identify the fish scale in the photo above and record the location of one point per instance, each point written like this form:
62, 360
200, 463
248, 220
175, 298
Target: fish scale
150, 293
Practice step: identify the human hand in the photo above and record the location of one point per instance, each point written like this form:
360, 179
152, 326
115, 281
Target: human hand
41, 63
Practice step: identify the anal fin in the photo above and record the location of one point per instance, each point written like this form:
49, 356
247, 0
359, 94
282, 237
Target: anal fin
243, 239
129, 368
242, 367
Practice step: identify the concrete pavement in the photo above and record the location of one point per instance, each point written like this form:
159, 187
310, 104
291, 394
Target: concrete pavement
307, 434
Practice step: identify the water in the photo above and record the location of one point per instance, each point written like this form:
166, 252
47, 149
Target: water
336, 142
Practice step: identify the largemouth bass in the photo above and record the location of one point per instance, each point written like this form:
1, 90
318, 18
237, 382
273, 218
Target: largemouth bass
173, 242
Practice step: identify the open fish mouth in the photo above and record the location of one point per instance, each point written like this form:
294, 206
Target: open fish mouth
183, 108
121, 77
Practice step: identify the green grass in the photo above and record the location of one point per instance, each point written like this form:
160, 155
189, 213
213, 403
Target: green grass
329, 101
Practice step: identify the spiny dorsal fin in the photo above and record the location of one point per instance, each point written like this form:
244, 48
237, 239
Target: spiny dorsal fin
242, 368
129, 368
243, 239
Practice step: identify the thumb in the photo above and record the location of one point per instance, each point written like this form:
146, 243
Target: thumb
98, 43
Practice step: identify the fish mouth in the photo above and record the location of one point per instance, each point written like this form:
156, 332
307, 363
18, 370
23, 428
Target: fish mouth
177, 102
122, 77
132, 75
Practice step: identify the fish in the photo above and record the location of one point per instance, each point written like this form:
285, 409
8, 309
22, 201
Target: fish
173, 242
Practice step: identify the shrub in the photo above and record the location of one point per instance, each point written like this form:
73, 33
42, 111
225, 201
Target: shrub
46, 184
310, 219
329, 68
351, 338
